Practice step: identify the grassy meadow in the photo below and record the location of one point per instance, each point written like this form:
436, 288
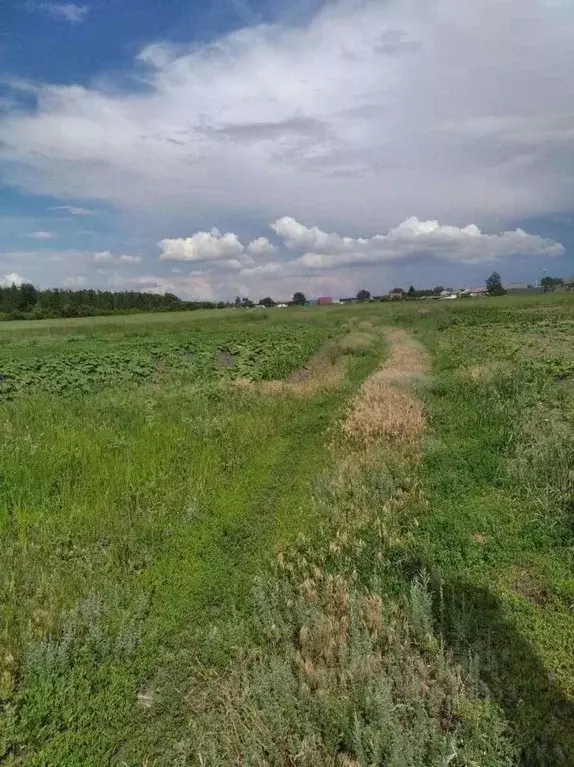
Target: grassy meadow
322, 536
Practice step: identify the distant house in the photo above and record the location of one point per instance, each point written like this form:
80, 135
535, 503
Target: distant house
523, 289
351, 300
477, 291
396, 294
325, 301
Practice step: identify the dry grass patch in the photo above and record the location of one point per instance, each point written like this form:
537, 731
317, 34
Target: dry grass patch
385, 408
357, 340
323, 373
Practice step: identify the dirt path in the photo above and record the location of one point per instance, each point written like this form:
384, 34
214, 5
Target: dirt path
385, 407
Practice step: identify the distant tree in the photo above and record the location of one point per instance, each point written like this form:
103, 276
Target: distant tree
548, 283
436, 291
494, 285
299, 299
28, 297
363, 295
171, 300
247, 303
237, 302
268, 302
411, 291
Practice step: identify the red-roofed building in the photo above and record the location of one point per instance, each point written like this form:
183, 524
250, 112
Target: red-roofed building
325, 301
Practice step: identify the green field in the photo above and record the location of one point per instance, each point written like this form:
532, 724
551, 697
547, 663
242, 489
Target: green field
200, 567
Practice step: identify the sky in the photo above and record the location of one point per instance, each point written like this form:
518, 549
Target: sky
212, 148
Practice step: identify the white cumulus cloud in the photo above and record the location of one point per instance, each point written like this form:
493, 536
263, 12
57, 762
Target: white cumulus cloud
12, 279
320, 262
103, 257
410, 239
202, 246
75, 281
261, 247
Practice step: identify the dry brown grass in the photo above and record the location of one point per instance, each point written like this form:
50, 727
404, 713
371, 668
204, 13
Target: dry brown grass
385, 407
357, 340
322, 374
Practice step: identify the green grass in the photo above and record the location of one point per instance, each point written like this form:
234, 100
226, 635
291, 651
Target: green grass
133, 515
497, 474
139, 515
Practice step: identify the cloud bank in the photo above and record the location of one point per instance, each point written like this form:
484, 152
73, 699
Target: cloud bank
310, 258
369, 112
351, 122
321, 250
410, 239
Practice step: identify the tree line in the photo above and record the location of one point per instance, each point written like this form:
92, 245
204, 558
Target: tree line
28, 302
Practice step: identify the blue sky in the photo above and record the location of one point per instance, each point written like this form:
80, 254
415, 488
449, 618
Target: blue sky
262, 147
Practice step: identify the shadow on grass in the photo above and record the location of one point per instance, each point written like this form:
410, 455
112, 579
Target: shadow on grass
473, 624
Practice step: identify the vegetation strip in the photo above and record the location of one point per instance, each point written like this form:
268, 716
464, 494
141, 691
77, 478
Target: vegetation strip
385, 407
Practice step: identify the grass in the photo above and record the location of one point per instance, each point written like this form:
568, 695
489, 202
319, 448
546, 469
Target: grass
497, 472
196, 572
129, 516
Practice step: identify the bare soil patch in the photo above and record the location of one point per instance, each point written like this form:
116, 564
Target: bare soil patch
225, 360
528, 586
